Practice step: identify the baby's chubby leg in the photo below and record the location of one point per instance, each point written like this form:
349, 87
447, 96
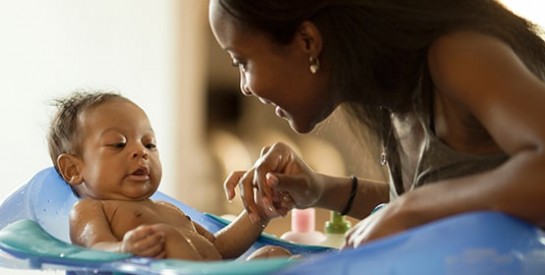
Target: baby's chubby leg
269, 251
187, 245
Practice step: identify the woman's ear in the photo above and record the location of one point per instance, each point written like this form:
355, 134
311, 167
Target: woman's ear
310, 39
70, 168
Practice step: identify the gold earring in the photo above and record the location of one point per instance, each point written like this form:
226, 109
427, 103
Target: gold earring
314, 65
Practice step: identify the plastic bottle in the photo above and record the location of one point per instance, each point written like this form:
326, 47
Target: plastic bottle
334, 230
303, 228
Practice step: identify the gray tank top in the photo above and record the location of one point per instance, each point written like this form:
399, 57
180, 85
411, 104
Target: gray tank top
438, 161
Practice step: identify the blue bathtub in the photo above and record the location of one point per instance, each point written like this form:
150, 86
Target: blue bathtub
34, 234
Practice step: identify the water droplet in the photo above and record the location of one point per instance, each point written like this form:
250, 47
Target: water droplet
49, 201
61, 255
45, 210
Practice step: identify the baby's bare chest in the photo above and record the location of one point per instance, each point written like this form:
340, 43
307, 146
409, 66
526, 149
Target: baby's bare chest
124, 216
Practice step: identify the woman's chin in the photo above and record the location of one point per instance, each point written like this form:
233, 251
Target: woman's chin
300, 129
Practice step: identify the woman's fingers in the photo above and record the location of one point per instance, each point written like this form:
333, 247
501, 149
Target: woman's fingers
259, 196
355, 235
362, 232
299, 188
273, 159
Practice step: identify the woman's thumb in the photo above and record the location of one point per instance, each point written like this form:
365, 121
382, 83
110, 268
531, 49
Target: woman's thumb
297, 186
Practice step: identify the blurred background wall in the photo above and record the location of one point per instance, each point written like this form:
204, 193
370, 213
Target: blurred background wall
162, 55
154, 52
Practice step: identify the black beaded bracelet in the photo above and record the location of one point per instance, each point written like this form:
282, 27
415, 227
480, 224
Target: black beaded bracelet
353, 191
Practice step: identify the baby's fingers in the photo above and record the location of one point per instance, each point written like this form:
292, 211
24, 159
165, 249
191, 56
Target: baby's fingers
231, 183
138, 233
151, 246
283, 203
140, 240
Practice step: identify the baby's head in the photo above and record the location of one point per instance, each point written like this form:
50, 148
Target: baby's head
104, 147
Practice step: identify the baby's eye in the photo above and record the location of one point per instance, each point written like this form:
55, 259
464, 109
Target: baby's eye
118, 145
151, 146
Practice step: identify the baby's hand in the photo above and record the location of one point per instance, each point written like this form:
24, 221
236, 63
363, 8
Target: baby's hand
281, 204
145, 242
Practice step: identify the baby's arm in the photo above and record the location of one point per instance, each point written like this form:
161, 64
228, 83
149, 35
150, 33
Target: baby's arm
89, 227
237, 237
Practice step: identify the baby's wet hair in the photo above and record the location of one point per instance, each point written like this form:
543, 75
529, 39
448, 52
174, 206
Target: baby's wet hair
63, 130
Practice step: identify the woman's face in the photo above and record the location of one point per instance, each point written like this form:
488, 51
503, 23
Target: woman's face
276, 74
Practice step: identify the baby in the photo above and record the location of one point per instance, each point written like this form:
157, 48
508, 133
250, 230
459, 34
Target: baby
104, 147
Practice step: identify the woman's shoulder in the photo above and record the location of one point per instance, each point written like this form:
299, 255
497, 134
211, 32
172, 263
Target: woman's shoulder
456, 60
466, 43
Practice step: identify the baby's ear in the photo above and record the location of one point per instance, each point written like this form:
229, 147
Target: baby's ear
70, 168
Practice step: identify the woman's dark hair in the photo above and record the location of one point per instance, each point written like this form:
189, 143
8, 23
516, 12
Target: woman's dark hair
377, 49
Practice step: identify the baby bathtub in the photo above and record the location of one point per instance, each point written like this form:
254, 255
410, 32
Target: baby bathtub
34, 235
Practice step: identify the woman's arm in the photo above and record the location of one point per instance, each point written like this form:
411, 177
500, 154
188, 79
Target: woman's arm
336, 193
279, 171
484, 78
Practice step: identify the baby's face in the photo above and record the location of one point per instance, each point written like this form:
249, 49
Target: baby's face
119, 154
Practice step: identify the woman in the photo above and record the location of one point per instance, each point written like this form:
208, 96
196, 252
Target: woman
453, 90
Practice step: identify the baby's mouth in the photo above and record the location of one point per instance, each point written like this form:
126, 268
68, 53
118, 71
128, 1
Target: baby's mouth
140, 174
141, 171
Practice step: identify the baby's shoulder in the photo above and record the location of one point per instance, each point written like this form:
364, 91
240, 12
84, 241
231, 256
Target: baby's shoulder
83, 207
87, 204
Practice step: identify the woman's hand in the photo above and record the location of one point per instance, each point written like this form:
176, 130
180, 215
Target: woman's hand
278, 181
388, 220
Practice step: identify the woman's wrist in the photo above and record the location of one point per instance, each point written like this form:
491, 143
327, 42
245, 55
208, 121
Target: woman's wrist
355, 196
335, 192
351, 196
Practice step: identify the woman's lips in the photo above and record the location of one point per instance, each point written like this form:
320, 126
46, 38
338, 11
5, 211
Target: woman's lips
279, 112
